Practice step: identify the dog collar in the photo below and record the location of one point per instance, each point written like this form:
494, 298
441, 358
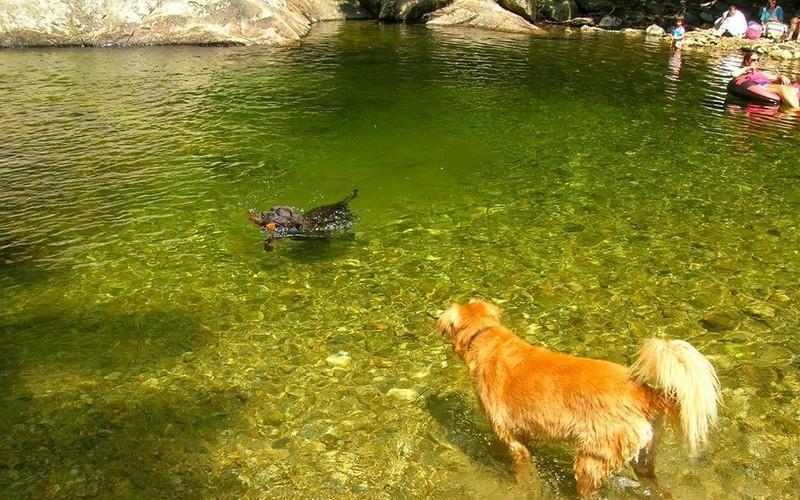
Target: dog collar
476, 335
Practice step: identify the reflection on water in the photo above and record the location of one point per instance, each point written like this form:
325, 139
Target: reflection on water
601, 189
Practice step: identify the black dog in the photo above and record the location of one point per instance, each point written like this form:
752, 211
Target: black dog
320, 222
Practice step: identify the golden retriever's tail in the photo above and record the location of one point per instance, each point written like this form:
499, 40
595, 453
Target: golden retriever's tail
686, 376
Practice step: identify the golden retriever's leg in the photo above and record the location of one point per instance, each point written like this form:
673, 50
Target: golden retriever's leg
523, 462
592, 470
645, 464
526, 473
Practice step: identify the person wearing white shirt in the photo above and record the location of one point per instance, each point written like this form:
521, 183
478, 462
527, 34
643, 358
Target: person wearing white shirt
732, 23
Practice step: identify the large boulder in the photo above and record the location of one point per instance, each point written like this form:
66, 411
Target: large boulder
707, 17
144, 22
556, 10
690, 19
655, 30
559, 10
610, 23
406, 11
525, 8
656, 7
597, 5
485, 14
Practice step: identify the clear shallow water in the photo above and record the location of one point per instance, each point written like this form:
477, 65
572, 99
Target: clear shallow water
599, 188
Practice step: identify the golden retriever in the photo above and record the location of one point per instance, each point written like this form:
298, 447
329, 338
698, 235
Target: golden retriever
614, 414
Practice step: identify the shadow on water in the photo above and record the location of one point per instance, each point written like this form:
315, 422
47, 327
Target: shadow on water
466, 428
120, 412
18, 257
66, 337
116, 447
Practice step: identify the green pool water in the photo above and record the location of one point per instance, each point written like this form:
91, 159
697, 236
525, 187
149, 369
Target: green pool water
600, 188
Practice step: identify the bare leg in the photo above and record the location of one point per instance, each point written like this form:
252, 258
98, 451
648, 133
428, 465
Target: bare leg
645, 464
789, 94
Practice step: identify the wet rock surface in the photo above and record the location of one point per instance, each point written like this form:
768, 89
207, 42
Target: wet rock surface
407, 11
482, 14
705, 39
148, 22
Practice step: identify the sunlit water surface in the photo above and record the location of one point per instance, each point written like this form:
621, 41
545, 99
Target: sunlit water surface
599, 188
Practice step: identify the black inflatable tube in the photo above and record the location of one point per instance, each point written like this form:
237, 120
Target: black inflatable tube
752, 91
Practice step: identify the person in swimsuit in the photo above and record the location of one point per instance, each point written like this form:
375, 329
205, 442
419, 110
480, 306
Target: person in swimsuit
771, 82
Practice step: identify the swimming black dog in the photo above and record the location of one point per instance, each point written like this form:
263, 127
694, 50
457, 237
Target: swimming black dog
321, 222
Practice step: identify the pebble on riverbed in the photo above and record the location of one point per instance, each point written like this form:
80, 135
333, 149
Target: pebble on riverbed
717, 321
403, 394
341, 359
762, 311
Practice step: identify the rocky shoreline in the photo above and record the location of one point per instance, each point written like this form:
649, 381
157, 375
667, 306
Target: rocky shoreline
703, 39
103, 23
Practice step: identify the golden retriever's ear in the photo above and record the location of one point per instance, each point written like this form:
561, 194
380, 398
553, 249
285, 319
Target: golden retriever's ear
449, 321
489, 309
492, 310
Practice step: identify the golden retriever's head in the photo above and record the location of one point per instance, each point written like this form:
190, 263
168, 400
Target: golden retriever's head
459, 316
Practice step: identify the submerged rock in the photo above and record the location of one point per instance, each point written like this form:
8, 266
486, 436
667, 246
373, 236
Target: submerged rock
341, 359
718, 321
403, 394
763, 311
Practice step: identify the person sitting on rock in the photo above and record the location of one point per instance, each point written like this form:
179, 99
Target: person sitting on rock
771, 12
771, 82
771, 17
732, 23
794, 29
